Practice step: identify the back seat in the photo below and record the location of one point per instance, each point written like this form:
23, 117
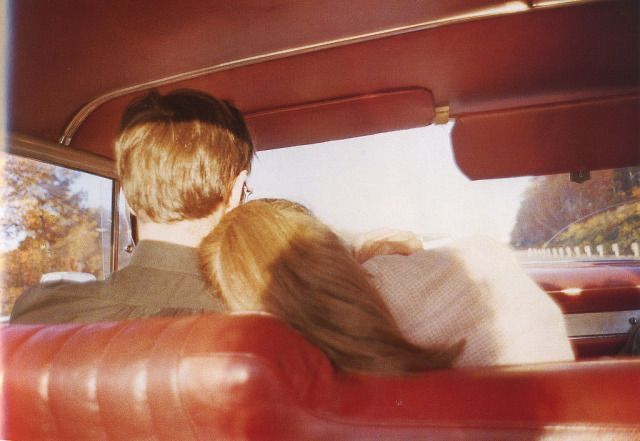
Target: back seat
251, 377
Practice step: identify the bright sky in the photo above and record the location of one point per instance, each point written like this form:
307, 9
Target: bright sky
406, 180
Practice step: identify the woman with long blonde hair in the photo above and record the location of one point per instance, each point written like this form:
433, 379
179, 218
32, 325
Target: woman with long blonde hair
273, 255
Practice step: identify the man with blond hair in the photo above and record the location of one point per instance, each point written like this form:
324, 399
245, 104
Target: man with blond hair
182, 159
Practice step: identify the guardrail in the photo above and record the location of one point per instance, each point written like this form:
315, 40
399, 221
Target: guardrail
599, 250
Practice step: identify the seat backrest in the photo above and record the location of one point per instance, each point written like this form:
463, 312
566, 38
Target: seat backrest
251, 377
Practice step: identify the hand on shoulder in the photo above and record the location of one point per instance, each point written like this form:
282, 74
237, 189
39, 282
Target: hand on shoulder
384, 242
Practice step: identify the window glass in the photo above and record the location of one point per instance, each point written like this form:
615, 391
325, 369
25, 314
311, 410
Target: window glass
53, 220
125, 243
409, 180
596, 219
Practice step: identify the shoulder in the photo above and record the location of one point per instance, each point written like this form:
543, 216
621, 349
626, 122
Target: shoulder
476, 254
57, 288
472, 288
469, 270
47, 302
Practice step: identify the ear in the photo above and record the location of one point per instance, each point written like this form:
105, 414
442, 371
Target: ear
236, 190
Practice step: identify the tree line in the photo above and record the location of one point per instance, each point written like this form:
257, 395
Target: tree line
602, 210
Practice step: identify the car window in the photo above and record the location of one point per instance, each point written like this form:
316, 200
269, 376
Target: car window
125, 238
409, 180
53, 220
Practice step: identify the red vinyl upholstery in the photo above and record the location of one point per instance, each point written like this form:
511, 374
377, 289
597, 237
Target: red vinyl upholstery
218, 377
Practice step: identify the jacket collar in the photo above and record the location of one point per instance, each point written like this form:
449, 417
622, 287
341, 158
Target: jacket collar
166, 256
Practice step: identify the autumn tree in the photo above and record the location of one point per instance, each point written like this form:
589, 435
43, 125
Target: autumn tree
620, 225
552, 203
46, 226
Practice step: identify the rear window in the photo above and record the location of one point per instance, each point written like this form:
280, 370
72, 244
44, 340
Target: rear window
409, 180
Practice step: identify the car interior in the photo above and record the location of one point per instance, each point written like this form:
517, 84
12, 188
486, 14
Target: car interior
531, 88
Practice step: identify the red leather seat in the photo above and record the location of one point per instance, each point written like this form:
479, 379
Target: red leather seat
250, 377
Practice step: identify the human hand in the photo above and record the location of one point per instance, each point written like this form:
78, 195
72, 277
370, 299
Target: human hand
383, 242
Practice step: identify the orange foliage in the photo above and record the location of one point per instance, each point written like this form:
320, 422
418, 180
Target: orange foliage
552, 204
46, 226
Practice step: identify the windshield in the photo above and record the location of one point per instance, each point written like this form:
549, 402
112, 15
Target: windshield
409, 180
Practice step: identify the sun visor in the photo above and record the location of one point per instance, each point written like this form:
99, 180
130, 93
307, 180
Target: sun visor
341, 118
287, 126
558, 138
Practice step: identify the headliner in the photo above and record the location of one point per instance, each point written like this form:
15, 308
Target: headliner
68, 53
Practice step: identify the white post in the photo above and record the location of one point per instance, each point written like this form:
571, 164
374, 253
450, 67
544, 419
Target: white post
569, 252
554, 252
616, 250
636, 249
576, 251
561, 251
600, 250
587, 250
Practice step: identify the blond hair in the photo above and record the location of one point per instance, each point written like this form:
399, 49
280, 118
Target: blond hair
275, 256
177, 155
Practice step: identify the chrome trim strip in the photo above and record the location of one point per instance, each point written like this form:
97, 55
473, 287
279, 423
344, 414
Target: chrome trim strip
115, 225
600, 323
558, 3
52, 153
507, 8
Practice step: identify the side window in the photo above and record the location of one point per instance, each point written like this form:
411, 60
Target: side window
125, 239
53, 219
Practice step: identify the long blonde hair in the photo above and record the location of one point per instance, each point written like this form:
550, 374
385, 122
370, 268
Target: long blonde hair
273, 255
